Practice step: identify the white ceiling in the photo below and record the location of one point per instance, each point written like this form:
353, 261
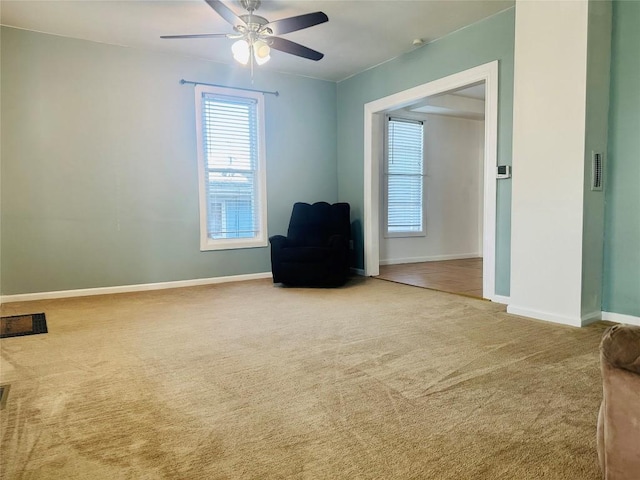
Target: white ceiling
359, 35
466, 102
475, 91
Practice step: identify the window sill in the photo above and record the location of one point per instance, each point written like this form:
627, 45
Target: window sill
404, 234
208, 244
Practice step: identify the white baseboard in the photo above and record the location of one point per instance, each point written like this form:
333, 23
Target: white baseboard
26, 297
546, 316
583, 321
590, 318
621, 318
429, 258
501, 299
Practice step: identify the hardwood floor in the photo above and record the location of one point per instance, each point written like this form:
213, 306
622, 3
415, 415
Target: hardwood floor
463, 277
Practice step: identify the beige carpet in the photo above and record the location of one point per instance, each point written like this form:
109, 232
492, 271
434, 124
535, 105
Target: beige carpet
375, 380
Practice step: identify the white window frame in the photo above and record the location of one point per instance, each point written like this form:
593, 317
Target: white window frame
385, 176
261, 238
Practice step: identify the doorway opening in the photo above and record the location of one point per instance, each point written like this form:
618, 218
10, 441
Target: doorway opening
419, 98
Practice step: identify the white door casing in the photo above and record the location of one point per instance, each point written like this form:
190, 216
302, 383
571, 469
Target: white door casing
374, 150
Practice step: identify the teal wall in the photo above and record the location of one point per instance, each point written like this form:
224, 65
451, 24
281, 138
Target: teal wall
621, 285
99, 181
483, 42
596, 136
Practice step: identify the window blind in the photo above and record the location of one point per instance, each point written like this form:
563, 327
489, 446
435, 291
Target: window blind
404, 174
230, 136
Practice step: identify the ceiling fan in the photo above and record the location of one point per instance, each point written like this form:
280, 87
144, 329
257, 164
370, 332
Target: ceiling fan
255, 35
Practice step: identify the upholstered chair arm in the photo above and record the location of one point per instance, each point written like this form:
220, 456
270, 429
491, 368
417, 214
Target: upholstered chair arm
278, 242
619, 418
620, 347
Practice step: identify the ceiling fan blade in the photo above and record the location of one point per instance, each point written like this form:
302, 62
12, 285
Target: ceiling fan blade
292, 24
225, 12
294, 48
197, 35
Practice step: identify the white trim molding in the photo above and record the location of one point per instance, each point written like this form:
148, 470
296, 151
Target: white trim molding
583, 321
85, 292
546, 316
621, 318
588, 318
373, 156
431, 258
504, 300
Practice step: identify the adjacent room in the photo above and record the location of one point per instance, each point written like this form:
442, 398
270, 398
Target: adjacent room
432, 236
151, 151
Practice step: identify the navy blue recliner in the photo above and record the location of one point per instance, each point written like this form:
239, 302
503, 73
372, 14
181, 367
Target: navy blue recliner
315, 252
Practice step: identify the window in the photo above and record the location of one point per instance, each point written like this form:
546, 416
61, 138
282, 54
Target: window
231, 167
404, 184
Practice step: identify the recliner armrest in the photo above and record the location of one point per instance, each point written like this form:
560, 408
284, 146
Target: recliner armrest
620, 347
278, 241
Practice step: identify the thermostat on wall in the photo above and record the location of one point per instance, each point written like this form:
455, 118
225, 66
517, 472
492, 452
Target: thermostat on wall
504, 171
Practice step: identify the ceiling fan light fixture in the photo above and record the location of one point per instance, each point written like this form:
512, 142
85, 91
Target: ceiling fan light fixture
261, 52
241, 51
255, 36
